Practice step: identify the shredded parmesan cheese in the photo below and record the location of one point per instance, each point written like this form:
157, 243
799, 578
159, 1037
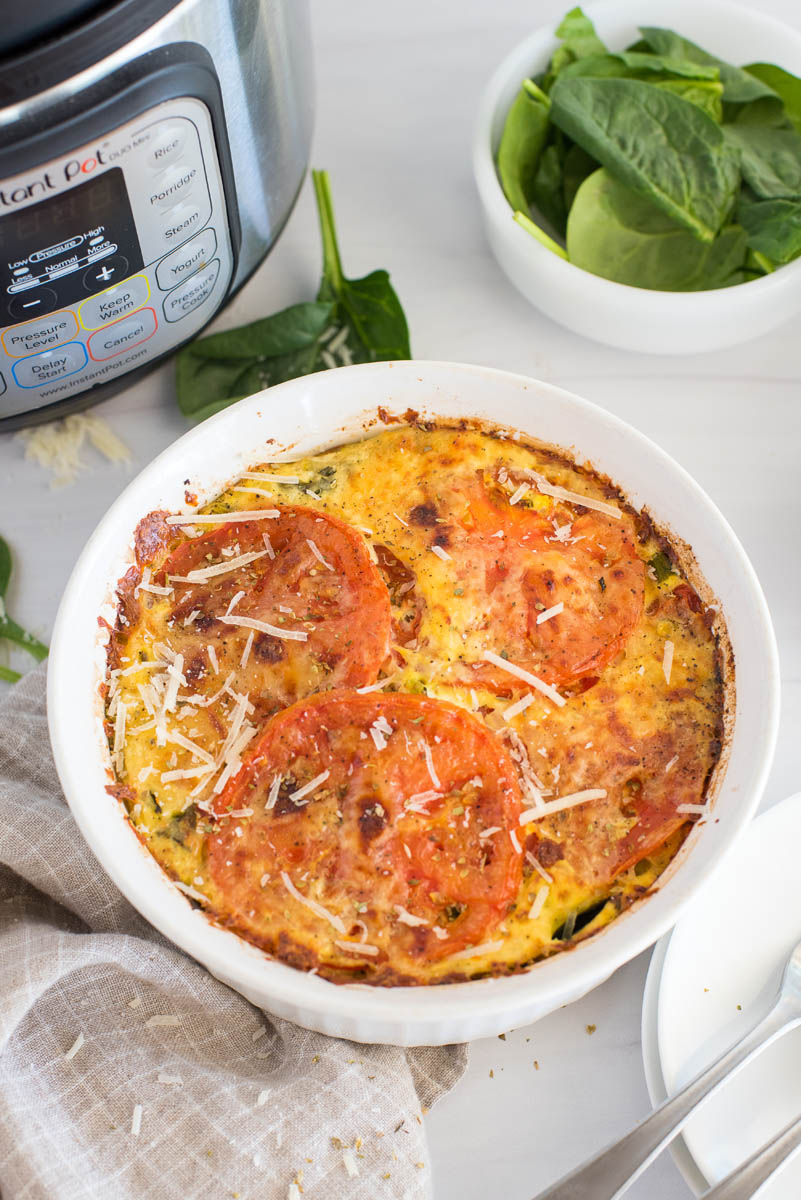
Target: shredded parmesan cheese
671, 764
272, 795
560, 493
538, 867
515, 842
316, 552
514, 710
407, 918
350, 1163
430, 766
571, 800
519, 493
287, 635
474, 951
697, 809
440, 553
539, 903
74, 1048
667, 661
253, 514
553, 611
243, 662
316, 908
309, 787
526, 676
136, 1120
267, 478
357, 947
203, 574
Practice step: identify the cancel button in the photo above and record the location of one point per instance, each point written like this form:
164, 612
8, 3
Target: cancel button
122, 335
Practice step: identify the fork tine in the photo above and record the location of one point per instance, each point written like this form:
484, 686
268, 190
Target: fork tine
744, 1182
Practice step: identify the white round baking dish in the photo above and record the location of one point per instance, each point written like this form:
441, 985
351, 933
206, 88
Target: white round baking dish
322, 410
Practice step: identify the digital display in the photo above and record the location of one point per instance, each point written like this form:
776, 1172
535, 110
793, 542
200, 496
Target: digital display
73, 244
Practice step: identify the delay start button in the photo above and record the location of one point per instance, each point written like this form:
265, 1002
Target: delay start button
115, 302
42, 334
182, 263
49, 365
122, 335
190, 295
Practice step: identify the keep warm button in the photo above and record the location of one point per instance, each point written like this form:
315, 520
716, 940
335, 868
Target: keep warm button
122, 335
191, 294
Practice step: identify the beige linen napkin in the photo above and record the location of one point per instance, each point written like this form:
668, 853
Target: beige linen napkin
127, 1071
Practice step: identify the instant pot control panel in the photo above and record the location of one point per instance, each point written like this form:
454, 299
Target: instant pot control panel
111, 255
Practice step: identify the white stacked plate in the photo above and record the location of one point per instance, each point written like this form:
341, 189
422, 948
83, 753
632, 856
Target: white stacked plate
709, 982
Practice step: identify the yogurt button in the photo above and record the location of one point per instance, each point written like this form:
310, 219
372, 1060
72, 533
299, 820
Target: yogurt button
191, 257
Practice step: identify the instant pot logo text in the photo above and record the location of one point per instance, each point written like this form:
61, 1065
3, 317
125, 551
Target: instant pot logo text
73, 168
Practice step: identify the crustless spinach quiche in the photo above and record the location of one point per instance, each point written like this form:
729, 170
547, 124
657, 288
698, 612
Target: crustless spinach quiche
426, 707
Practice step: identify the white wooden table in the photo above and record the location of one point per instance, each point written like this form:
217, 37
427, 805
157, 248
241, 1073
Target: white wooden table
398, 86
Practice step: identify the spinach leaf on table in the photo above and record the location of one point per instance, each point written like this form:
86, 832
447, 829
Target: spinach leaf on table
739, 86
522, 141
9, 629
785, 85
661, 146
773, 227
361, 318
615, 232
770, 159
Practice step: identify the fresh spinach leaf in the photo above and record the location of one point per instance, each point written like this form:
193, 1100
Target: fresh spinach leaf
577, 166
359, 320
214, 371
739, 86
785, 85
615, 232
627, 64
661, 146
773, 227
770, 160
368, 308
547, 193
579, 40
9, 629
522, 141
539, 234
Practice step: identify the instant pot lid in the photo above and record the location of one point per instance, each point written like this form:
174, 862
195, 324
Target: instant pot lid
43, 42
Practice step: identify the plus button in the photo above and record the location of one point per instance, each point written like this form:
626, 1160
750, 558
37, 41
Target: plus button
105, 274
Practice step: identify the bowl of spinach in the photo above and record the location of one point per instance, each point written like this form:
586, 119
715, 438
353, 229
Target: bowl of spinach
639, 167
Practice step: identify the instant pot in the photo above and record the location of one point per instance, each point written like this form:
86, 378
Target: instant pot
150, 153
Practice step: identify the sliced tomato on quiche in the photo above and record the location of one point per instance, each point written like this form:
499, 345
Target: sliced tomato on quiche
371, 830
560, 587
290, 605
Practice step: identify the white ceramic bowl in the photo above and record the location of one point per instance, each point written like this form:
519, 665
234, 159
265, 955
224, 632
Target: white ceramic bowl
635, 318
319, 411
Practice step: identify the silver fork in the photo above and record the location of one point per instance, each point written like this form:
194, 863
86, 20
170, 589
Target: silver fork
608, 1174
745, 1181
